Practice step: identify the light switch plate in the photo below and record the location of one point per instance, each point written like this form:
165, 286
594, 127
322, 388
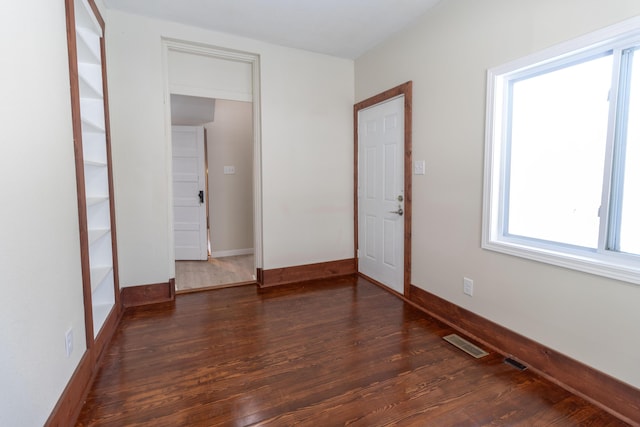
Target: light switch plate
419, 167
467, 286
229, 170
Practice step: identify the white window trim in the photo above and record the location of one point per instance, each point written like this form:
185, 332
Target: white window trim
603, 263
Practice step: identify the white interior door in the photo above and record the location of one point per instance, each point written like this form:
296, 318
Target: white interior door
189, 208
381, 193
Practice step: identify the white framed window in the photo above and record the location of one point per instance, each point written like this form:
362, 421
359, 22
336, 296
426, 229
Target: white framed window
562, 155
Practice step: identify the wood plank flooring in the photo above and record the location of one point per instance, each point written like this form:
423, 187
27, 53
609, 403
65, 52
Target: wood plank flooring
323, 353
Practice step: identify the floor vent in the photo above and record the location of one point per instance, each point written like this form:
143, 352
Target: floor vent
465, 346
519, 366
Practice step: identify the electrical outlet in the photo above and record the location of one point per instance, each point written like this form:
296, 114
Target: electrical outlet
68, 341
467, 286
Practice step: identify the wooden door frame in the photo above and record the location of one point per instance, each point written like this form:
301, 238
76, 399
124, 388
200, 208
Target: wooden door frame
406, 90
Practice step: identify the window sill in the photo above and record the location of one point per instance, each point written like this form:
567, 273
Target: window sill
619, 266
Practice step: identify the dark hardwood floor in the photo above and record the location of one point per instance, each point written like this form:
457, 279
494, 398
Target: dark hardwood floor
324, 353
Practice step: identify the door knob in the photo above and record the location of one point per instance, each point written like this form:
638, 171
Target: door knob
399, 211
201, 196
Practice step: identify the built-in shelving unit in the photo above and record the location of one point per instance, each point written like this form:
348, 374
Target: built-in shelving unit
92, 142
96, 209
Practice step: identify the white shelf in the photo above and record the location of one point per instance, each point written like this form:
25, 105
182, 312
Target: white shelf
85, 17
94, 147
99, 216
96, 180
100, 313
89, 125
100, 254
103, 300
90, 79
92, 115
92, 201
88, 44
97, 234
94, 151
95, 163
98, 275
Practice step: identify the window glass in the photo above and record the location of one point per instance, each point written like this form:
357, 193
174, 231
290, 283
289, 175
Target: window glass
630, 216
557, 147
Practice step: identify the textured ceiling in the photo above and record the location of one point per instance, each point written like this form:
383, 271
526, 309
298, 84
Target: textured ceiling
344, 28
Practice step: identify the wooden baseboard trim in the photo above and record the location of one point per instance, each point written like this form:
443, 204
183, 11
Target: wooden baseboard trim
69, 405
260, 276
66, 411
106, 333
302, 273
148, 294
612, 395
172, 289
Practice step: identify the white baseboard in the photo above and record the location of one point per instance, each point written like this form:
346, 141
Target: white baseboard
232, 252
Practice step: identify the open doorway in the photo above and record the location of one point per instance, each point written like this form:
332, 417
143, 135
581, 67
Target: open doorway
232, 194
223, 195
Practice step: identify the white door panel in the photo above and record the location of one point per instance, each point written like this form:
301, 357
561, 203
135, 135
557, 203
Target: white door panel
381, 193
189, 214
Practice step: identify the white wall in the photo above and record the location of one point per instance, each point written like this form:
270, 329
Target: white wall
230, 143
447, 54
197, 75
39, 237
306, 144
